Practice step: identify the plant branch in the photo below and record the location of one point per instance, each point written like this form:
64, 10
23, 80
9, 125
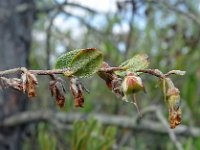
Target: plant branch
50, 72
38, 72
12, 71
154, 72
159, 74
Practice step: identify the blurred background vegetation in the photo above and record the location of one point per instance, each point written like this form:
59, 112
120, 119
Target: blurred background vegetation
168, 31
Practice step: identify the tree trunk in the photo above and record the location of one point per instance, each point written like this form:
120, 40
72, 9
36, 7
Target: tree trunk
16, 19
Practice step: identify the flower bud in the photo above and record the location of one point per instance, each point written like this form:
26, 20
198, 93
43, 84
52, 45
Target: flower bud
132, 84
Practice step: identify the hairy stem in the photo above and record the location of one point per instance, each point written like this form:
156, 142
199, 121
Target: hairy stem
50, 72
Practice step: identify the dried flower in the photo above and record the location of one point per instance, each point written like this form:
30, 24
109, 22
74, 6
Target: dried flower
14, 83
77, 89
57, 89
113, 82
173, 101
116, 86
106, 76
29, 83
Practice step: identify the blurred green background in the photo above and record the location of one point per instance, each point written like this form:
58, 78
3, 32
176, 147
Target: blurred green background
168, 31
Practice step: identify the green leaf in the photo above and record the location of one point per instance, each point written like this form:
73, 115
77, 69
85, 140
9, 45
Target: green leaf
133, 64
64, 60
81, 63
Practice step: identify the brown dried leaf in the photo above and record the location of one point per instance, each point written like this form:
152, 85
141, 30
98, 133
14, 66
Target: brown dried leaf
52, 87
77, 89
57, 89
31, 83
14, 83
60, 100
106, 76
113, 82
116, 86
79, 101
174, 117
